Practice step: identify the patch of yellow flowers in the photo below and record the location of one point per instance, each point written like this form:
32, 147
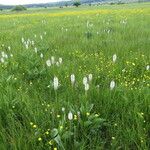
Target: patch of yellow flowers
80, 12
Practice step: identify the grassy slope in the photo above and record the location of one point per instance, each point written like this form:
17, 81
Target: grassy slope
25, 94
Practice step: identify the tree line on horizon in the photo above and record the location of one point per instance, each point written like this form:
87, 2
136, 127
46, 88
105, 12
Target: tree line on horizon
65, 4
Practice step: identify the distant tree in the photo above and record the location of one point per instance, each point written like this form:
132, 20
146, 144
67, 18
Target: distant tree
120, 2
77, 3
112, 3
1, 9
66, 4
139, 1
19, 8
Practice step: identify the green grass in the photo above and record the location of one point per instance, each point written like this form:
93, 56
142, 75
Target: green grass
31, 109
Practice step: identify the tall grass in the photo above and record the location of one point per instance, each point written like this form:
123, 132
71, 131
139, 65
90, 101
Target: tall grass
35, 116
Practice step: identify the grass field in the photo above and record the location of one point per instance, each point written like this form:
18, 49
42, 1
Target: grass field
75, 78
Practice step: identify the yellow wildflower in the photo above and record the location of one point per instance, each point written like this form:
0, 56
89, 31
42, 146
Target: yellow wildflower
58, 116
39, 139
87, 113
47, 132
75, 117
34, 126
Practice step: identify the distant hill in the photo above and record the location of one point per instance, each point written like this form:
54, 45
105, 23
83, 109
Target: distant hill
5, 6
69, 3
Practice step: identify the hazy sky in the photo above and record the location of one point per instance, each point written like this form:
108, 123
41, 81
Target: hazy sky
16, 2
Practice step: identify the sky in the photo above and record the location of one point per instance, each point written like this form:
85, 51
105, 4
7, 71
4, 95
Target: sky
20, 2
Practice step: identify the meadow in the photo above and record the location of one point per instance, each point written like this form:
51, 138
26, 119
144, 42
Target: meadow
75, 78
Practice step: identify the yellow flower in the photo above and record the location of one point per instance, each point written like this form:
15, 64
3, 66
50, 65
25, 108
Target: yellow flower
58, 116
75, 117
96, 115
142, 141
115, 124
47, 132
34, 126
39, 139
87, 113
50, 143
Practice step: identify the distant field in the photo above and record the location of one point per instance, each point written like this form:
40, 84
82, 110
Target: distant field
75, 78
81, 8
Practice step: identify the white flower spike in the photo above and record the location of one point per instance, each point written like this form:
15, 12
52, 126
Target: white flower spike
90, 76
147, 67
41, 55
114, 58
86, 87
85, 80
70, 115
112, 85
56, 83
35, 49
48, 63
72, 78
52, 59
60, 60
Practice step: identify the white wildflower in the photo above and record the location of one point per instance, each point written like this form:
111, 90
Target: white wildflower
85, 80
97, 86
86, 87
53, 59
22, 40
28, 41
63, 109
112, 85
70, 115
48, 63
147, 67
11, 55
78, 113
87, 24
72, 77
3, 54
41, 55
36, 50
90, 76
57, 64
123, 70
2, 60
32, 42
41, 37
26, 46
114, 58
56, 83
9, 48
60, 60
